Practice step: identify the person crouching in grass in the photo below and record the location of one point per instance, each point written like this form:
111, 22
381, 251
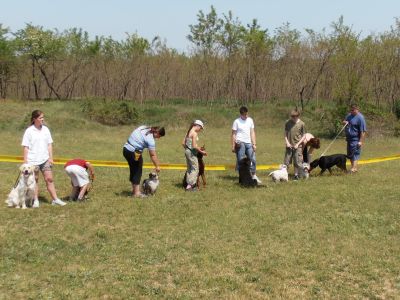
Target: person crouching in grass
77, 169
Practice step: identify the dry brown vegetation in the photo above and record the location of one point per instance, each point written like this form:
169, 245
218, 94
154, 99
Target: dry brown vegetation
229, 62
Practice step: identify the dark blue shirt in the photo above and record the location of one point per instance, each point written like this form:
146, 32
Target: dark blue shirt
355, 127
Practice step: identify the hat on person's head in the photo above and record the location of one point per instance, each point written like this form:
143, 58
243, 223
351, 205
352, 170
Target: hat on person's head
199, 122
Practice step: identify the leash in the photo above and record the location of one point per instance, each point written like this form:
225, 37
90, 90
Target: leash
17, 181
333, 140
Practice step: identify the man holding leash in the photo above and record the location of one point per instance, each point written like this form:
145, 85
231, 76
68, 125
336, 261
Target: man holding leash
355, 135
243, 140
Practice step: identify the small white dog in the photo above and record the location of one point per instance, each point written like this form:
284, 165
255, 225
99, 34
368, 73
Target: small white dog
24, 192
280, 175
305, 171
151, 184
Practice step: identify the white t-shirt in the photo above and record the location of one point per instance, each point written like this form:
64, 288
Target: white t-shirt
37, 141
243, 129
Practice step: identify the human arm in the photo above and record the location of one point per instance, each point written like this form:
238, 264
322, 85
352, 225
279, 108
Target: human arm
233, 140
362, 138
26, 150
50, 149
302, 140
91, 170
288, 145
363, 130
253, 138
154, 159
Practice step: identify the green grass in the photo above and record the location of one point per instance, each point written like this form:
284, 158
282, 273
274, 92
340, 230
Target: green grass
329, 237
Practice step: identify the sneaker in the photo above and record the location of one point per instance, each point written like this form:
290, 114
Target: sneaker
296, 177
256, 178
35, 203
58, 202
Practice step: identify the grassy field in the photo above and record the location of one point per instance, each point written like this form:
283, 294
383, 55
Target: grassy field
329, 237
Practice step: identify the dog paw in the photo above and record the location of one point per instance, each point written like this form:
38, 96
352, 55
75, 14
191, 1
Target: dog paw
23, 207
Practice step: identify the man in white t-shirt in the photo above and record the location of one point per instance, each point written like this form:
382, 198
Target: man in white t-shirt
243, 140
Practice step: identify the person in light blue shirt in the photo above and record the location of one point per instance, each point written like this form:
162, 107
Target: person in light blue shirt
141, 138
355, 130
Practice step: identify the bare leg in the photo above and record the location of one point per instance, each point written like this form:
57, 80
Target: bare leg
36, 194
136, 190
354, 166
48, 177
82, 192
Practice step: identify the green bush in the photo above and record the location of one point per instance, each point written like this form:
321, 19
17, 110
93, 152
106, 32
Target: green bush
110, 112
330, 120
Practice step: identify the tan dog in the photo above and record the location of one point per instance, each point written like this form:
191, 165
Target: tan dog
22, 195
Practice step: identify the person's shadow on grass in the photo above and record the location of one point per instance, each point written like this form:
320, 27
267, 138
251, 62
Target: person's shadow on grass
125, 193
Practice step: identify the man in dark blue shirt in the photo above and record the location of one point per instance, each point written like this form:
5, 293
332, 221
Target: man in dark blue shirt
355, 135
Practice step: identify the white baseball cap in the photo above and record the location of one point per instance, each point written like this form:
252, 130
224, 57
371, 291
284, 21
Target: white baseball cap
199, 122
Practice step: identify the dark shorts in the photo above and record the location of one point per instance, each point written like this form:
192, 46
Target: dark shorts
46, 166
353, 150
135, 165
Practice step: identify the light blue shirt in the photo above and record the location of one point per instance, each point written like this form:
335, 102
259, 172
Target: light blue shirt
140, 139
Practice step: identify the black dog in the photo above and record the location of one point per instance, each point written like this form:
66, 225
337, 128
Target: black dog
327, 162
245, 178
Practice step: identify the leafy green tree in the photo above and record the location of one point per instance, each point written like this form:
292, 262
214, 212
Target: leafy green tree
205, 33
347, 63
7, 60
258, 47
42, 47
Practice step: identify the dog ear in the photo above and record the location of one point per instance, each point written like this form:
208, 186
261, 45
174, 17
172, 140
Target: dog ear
21, 167
36, 168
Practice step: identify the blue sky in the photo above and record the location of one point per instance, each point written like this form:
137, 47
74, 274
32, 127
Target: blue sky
171, 19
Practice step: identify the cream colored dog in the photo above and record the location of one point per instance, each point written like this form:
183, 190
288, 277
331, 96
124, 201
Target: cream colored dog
280, 175
23, 193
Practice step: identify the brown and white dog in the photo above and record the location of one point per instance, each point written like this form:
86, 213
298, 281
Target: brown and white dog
22, 195
202, 167
201, 174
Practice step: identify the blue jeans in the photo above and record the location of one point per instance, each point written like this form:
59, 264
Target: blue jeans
243, 151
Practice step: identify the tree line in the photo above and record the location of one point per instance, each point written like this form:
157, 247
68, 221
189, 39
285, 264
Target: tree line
228, 61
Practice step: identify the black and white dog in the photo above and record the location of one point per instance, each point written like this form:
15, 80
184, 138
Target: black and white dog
245, 178
151, 184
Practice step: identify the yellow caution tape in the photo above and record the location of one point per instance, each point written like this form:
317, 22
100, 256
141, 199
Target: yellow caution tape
119, 164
